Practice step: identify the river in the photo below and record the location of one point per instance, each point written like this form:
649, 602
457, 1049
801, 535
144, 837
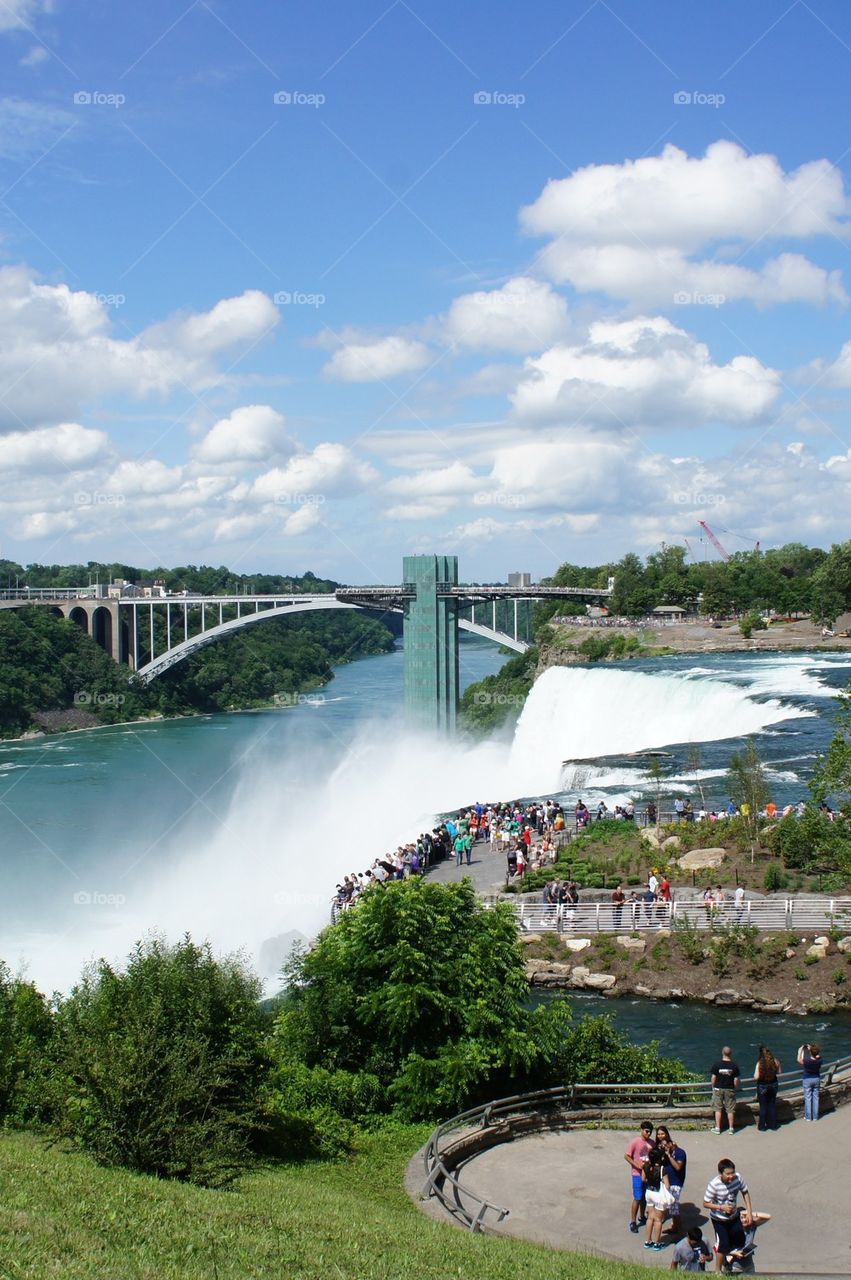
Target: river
236, 827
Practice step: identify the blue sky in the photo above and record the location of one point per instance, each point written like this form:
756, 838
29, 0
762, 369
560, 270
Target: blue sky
318, 285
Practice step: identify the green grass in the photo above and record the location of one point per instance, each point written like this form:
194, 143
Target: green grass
63, 1216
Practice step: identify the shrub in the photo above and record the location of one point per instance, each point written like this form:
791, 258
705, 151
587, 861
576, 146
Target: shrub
25, 1034
801, 975
159, 1065
689, 939
838, 977
314, 1112
775, 878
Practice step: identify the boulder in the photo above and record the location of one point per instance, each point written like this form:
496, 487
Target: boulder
641, 990
631, 944
818, 950
600, 981
577, 944
780, 1006
790, 953
699, 859
651, 838
844, 944
732, 997
537, 969
671, 843
821, 941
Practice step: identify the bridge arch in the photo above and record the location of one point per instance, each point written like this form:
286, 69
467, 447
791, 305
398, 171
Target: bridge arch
81, 617
178, 652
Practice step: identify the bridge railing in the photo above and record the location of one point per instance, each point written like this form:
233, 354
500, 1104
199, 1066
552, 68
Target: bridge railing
460, 1137
766, 914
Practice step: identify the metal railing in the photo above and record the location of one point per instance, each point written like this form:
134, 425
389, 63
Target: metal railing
536, 1110
766, 914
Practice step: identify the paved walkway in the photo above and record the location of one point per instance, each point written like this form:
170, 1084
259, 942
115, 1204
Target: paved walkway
487, 870
571, 1190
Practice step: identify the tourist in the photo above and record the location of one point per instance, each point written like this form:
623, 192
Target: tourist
739, 900
649, 899
809, 1058
688, 811
618, 899
725, 1080
679, 809
657, 1196
583, 817
766, 1071
721, 1199
675, 1167
651, 814
665, 888
652, 882
692, 1253
635, 1155
634, 904
459, 845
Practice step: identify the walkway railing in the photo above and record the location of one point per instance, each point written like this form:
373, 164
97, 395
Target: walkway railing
457, 1139
767, 914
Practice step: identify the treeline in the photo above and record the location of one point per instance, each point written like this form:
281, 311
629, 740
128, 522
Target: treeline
414, 1006
205, 579
53, 676
789, 579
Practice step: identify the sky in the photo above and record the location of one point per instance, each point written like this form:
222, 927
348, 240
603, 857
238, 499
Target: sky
320, 284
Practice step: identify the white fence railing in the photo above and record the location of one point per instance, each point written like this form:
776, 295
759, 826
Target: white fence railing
769, 914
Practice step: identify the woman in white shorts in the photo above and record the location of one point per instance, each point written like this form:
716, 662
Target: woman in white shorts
657, 1197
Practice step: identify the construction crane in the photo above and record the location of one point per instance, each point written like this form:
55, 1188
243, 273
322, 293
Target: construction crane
724, 554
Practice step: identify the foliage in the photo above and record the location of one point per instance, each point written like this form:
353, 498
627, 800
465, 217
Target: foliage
611, 645
832, 773
25, 1036
159, 1065
690, 940
812, 841
314, 1112
748, 785
775, 878
597, 1052
751, 622
500, 697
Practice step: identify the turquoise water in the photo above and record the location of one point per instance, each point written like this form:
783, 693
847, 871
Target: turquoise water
237, 827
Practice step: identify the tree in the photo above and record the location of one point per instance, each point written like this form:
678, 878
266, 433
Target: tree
832, 772
748, 786
159, 1065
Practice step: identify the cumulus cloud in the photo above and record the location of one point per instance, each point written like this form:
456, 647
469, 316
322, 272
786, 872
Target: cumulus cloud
62, 448
633, 230
21, 13
524, 315
642, 371
57, 349
330, 469
377, 359
253, 433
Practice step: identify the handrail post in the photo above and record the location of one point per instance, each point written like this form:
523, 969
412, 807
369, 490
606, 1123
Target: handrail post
598, 917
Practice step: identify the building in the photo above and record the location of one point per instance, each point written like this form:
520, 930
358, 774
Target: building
520, 579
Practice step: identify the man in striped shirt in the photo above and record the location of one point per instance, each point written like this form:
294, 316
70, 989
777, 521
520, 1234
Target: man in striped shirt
721, 1199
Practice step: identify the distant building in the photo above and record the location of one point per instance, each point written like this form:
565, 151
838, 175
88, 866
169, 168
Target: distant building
151, 590
520, 579
121, 587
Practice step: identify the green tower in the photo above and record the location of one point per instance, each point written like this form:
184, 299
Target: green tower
431, 642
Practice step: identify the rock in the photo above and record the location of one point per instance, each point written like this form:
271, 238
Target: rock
698, 859
818, 950
526, 938
641, 990
779, 1006
600, 981
631, 944
662, 931
577, 944
733, 998
651, 838
671, 843
790, 953
844, 944
821, 941
677, 993
537, 969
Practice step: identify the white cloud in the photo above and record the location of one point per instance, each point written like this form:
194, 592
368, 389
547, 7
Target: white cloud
643, 371
632, 229
253, 433
524, 315
57, 351
302, 519
34, 56
456, 479
377, 360
62, 448
139, 479
29, 128
328, 469
21, 13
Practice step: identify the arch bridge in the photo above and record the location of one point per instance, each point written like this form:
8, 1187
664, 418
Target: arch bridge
433, 605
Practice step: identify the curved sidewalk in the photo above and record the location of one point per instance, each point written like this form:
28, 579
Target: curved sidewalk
571, 1190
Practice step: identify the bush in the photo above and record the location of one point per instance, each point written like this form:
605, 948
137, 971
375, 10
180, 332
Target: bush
775, 878
159, 1065
751, 622
26, 1031
314, 1112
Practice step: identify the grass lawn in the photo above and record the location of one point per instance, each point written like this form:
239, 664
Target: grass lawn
63, 1216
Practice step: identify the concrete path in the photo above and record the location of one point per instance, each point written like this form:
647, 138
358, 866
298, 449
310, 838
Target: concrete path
487, 870
571, 1190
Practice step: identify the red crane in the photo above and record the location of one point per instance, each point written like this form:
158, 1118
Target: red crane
724, 554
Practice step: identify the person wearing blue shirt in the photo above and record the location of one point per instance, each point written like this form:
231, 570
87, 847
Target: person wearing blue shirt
675, 1167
